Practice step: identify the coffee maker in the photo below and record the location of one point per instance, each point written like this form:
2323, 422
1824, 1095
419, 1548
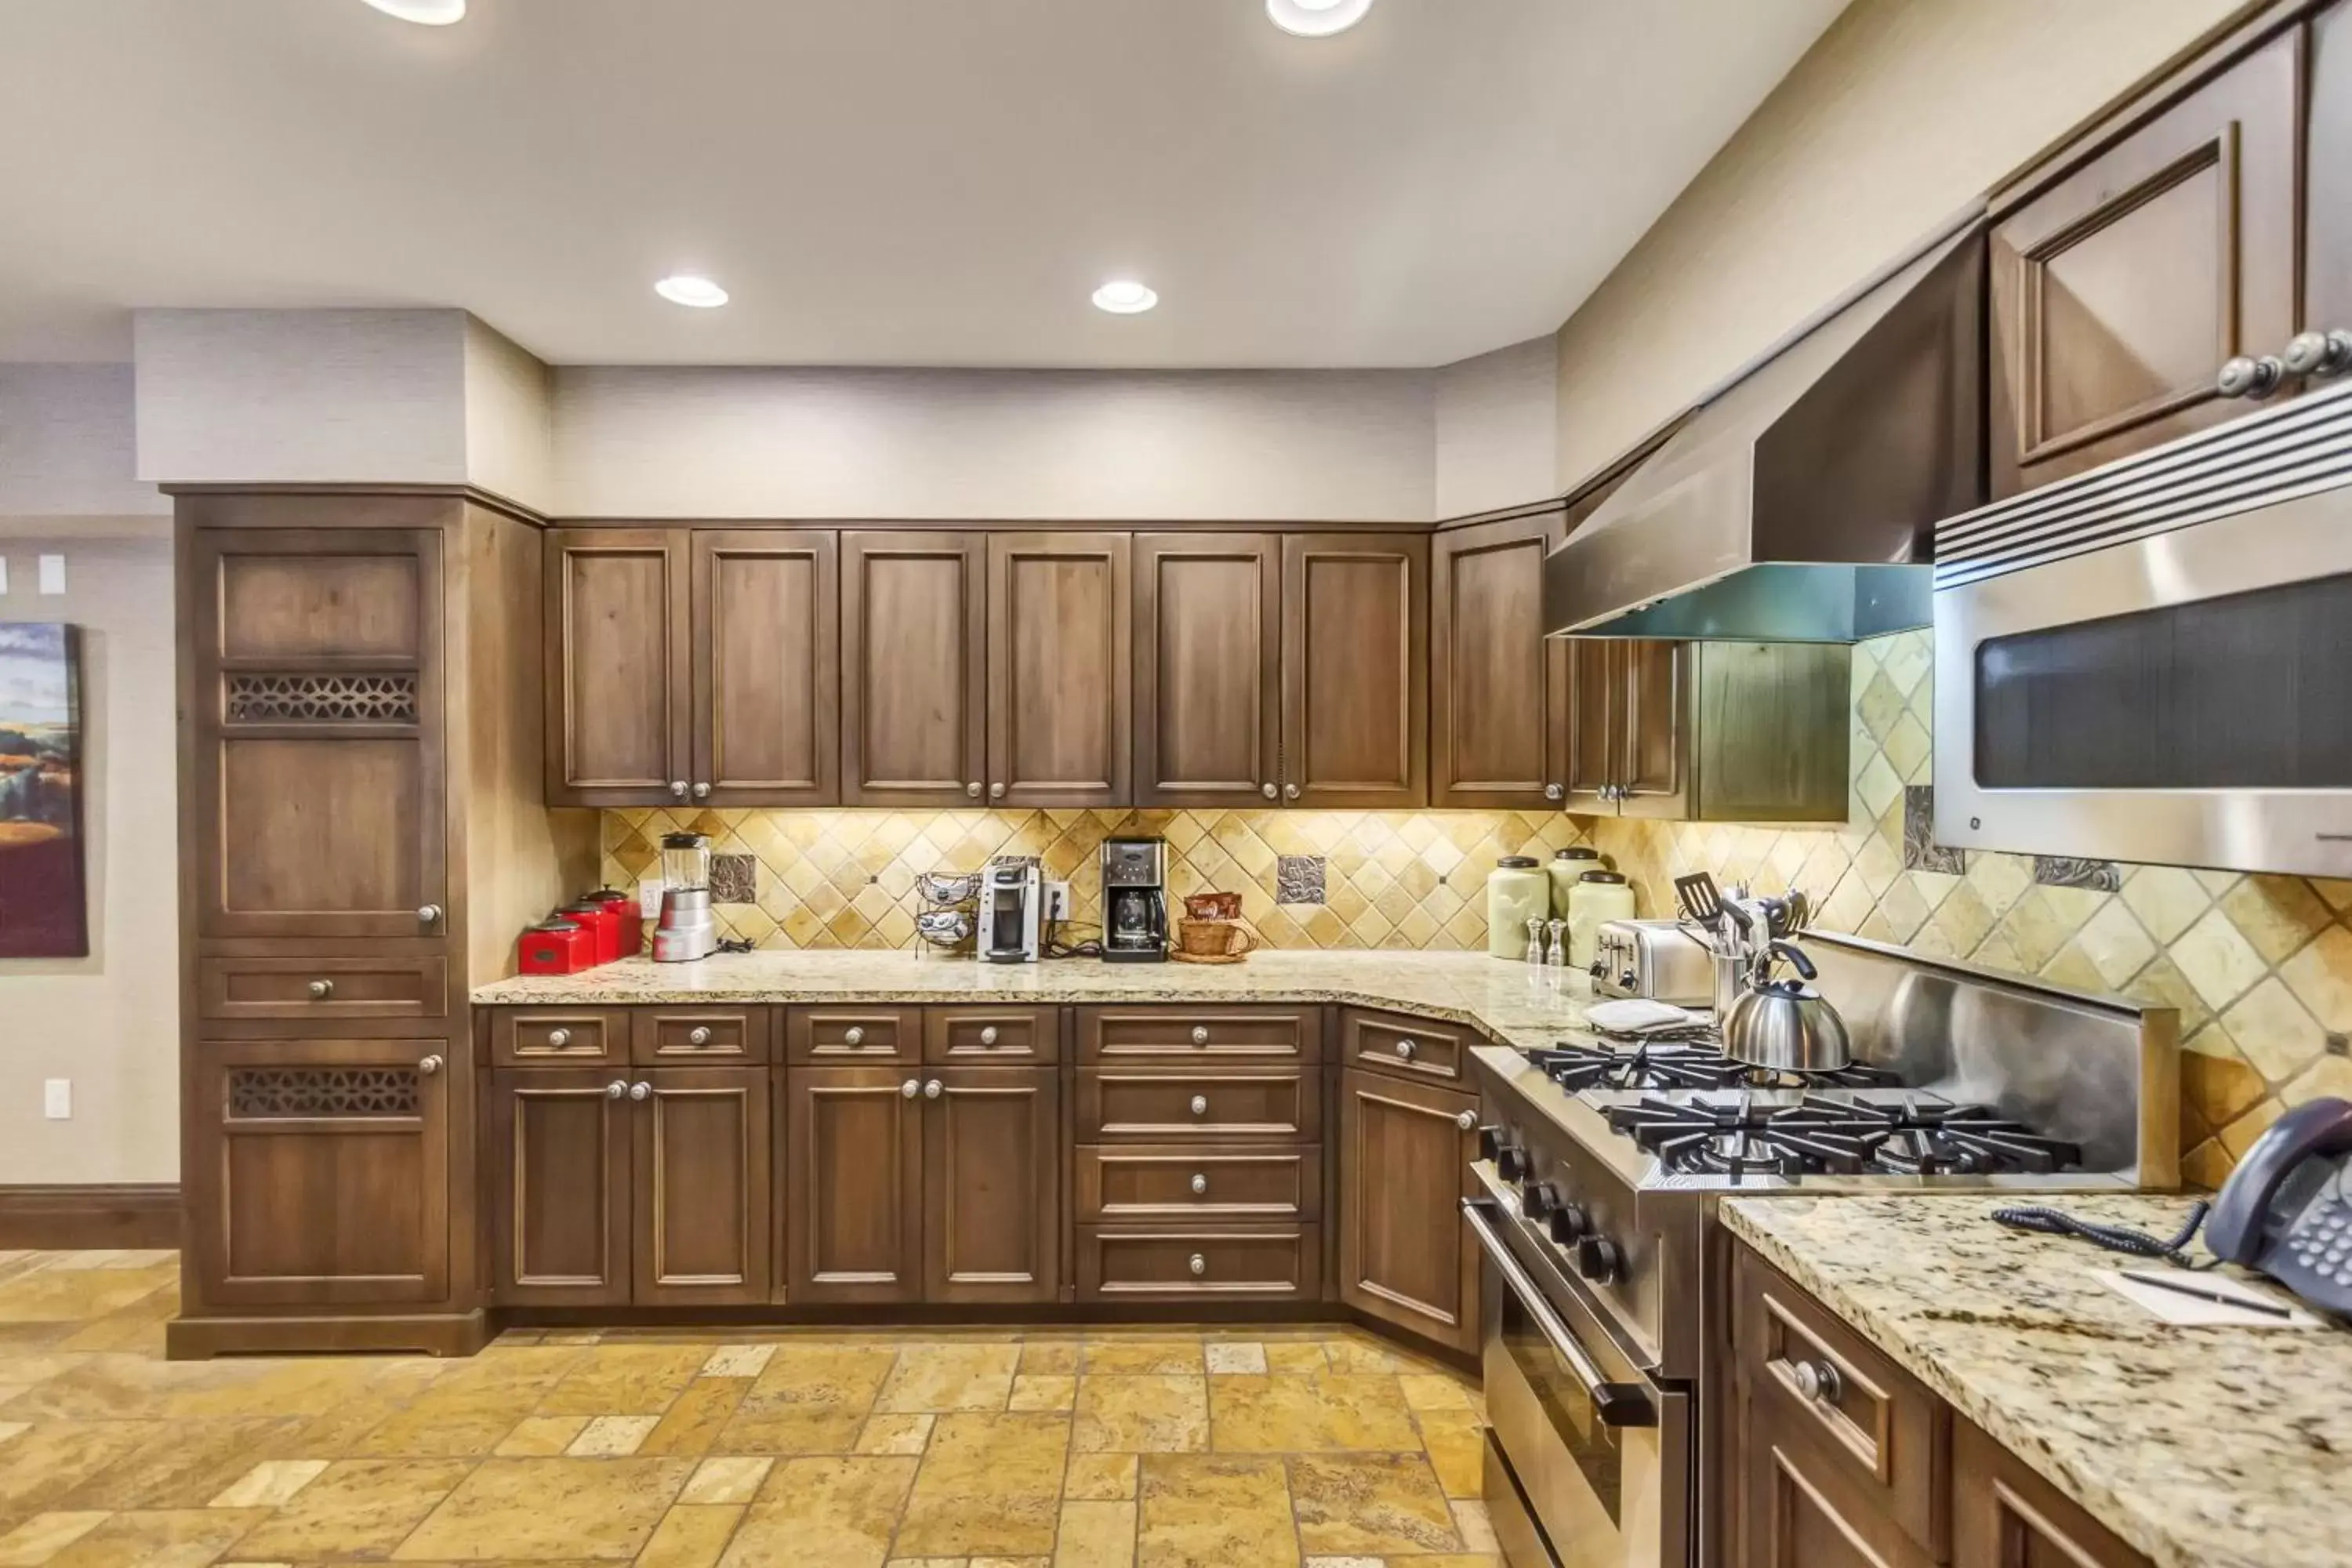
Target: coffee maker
1135, 900
1012, 900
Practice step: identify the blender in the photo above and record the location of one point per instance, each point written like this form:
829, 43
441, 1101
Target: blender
687, 930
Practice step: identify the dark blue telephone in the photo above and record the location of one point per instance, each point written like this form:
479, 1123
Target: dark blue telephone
2287, 1208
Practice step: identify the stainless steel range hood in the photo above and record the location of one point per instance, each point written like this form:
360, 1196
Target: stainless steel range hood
1799, 504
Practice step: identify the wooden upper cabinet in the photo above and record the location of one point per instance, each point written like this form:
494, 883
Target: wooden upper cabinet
1354, 644
318, 804
1208, 664
1498, 689
1405, 1256
914, 637
766, 668
2119, 291
1059, 657
617, 723
1653, 771
992, 1184
2327, 207
1596, 716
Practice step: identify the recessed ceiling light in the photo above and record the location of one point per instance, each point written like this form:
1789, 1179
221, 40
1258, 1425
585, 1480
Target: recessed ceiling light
685, 289
431, 13
1317, 18
1125, 297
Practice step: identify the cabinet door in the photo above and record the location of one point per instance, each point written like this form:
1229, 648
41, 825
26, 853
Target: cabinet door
853, 1184
1498, 691
2328, 205
2118, 292
914, 646
1355, 638
560, 1201
2005, 1515
1596, 721
1796, 1512
701, 1191
1059, 653
1404, 1166
616, 667
320, 1170
766, 668
1653, 771
1207, 666
318, 793
992, 1184
1769, 729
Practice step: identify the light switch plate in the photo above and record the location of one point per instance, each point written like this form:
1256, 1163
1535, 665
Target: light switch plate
56, 1099
53, 574
4, 574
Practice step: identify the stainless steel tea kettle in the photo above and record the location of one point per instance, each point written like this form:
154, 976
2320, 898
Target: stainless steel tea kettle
1785, 1025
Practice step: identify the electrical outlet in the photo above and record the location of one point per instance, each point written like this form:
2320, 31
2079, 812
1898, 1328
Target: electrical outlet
56, 1099
649, 897
1058, 900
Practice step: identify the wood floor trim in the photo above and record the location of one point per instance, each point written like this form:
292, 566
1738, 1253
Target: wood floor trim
123, 1214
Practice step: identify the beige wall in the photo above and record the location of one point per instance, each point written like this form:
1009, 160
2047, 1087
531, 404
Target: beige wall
1497, 425
509, 419
1904, 111
66, 438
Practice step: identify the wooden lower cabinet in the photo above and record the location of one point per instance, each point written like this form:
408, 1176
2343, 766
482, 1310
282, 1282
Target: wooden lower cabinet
1405, 1150
992, 1185
319, 1173
853, 1184
1798, 1515
650, 1186
2006, 1516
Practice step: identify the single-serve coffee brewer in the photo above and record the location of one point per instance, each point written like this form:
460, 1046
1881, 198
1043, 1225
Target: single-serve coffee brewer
687, 930
1135, 900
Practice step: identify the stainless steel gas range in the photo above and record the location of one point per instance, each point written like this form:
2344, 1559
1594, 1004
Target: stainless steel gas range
1601, 1162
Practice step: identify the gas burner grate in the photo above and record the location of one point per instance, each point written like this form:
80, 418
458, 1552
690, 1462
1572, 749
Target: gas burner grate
1687, 1059
1830, 1134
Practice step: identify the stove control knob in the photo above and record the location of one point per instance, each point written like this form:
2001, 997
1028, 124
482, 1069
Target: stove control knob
1597, 1260
1569, 1223
1627, 979
1511, 1162
1539, 1200
1491, 1139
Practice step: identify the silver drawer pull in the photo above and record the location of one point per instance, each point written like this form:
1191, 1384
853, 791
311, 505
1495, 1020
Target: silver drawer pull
1468, 1121
698, 1036
322, 989
429, 1065
1200, 1105
910, 1088
1818, 1381
428, 914
1200, 1185
1405, 1048
1199, 1266
931, 1089
1200, 1034
988, 1035
617, 1089
853, 1036
559, 1038
641, 1091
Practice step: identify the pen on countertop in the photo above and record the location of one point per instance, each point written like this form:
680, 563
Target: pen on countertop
2205, 1293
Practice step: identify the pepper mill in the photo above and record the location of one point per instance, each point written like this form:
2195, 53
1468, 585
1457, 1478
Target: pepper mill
1535, 953
1558, 958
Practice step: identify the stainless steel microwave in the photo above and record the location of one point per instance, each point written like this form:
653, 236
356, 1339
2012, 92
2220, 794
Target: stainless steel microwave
2152, 661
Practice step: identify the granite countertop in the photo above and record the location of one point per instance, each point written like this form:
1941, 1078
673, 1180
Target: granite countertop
1506, 999
2199, 1446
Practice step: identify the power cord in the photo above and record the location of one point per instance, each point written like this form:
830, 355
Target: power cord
2114, 1237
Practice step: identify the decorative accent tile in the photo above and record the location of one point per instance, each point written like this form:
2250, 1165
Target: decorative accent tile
1920, 850
2066, 871
734, 878
1298, 879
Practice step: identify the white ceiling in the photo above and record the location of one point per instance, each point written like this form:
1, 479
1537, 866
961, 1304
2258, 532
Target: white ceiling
879, 182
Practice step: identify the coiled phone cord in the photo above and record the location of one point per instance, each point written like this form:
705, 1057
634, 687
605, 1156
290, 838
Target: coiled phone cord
2114, 1237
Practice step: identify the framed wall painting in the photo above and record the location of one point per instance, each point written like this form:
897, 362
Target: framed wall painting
44, 900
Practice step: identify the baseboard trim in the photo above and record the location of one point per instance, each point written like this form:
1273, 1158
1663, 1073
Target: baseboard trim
98, 1215
429, 1334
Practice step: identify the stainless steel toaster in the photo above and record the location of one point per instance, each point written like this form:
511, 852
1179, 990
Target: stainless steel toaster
1652, 959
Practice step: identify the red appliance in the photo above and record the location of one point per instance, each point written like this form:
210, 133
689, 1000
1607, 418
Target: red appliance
625, 910
604, 920
556, 945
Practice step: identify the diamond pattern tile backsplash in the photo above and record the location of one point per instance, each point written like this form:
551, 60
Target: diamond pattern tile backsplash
2261, 967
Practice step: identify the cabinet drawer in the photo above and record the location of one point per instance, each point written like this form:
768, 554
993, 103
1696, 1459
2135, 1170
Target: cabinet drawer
1876, 1426
1139, 1104
1201, 1034
717, 1037
1279, 1263
321, 988
559, 1037
1124, 1184
991, 1036
1410, 1047
851, 1034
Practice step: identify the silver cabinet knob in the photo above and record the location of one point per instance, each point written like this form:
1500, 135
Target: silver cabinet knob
1268, 791
698, 1036
996, 792
428, 914
322, 989
1200, 1034
1468, 1121
617, 1089
641, 1091
702, 792
854, 1035
678, 789
1290, 792
1554, 792
1198, 1264
559, 1038
988, 1035
2319, 353
971, 790
1200, 1105
1818, 1380
429, 1065
1200, 1185
2249, 377
1405, 1050
911, 1088
931, 1089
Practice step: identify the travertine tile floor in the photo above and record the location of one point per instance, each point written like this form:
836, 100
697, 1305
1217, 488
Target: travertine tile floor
1224, 1448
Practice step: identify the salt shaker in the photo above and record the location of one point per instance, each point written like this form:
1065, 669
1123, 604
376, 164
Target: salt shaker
1558, 958
1535, 953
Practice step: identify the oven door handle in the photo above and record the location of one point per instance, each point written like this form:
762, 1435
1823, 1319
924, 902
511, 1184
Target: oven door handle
1616, 1404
